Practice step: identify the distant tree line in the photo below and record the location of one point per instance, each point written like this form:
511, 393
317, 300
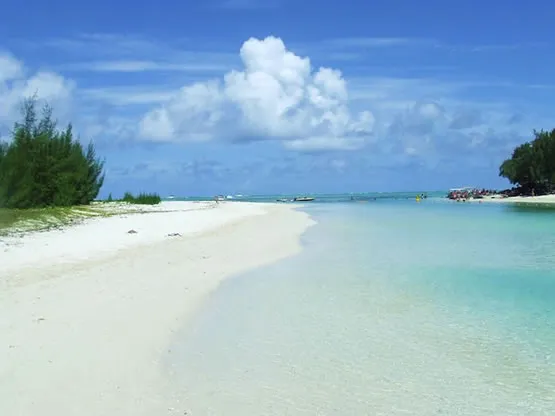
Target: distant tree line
143, 198
531, 168
42, 166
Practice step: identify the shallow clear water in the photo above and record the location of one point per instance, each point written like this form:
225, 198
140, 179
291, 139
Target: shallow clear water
393, 308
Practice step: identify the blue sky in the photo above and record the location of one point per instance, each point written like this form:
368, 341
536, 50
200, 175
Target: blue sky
269, 96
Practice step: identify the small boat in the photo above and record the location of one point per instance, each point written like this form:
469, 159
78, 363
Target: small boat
303, 199
282, 200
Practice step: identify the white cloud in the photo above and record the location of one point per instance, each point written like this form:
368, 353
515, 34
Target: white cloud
195, 110
16, 85
426, 130
315, 143
144, 66
94, 126
277, 95
123, 96
10, 68
130, 53
273, 94
48, 86
157, 125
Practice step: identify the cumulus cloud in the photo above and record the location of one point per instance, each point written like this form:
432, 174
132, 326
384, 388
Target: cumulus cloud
10, 68
16, 84
277, 95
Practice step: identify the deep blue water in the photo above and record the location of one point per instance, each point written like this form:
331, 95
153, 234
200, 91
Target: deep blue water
393, 308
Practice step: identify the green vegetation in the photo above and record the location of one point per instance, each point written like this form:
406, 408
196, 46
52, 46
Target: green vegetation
45, 167
40, 219
142, 198
49, 180
14, 221
532, 165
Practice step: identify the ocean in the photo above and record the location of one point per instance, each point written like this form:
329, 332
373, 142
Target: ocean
394, 307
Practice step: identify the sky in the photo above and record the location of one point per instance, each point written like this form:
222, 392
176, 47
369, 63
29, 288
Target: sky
282, 96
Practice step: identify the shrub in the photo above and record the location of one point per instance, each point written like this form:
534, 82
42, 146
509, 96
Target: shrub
142, 198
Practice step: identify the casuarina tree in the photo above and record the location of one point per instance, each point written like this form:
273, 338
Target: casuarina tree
43, 166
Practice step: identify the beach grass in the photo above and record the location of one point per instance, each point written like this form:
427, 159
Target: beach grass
38, 219
19, 221
142, 198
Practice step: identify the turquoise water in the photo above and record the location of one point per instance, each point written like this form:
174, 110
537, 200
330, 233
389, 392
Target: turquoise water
324, 198
393, 308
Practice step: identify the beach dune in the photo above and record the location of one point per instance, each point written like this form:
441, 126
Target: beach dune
88, 312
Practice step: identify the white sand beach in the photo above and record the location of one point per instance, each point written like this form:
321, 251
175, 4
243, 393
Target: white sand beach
542, 199
88, 312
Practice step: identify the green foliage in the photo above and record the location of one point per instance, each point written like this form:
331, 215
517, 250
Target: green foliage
3, 150
142, 198
532, 164
46, 167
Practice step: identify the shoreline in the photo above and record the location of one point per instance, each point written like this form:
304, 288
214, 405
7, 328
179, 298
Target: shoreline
533, 200
85, 327
127, 226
